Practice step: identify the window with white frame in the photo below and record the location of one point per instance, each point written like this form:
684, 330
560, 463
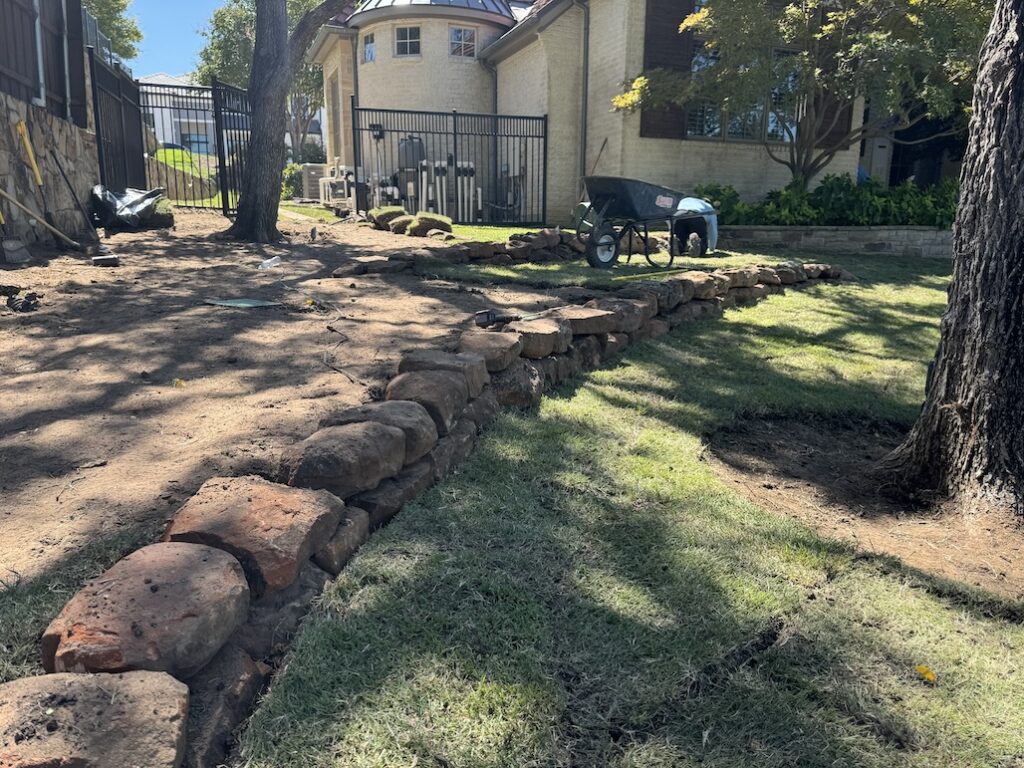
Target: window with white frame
407, 41
462, 42
369, 49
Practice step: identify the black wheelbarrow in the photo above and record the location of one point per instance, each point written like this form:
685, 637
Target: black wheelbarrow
621, 209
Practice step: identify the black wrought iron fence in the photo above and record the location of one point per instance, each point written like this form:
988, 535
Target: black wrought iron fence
119, 138
197, 140
474, 168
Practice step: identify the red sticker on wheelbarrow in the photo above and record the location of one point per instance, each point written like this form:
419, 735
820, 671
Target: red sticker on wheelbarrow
664, 201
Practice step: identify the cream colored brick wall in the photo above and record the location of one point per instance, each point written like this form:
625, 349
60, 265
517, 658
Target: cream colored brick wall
617, 43
337, 62
433, 81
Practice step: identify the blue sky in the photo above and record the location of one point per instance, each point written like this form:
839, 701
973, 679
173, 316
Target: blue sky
170, 30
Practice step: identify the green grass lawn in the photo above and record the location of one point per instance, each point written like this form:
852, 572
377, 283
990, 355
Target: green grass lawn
193, 163
311, 211
585, 591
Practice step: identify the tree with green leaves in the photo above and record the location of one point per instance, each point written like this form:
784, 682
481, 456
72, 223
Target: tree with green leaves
113, 20
228, 56
802, 66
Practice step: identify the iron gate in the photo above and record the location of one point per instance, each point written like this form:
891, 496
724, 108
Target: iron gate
474, 168
197, 140
115, 97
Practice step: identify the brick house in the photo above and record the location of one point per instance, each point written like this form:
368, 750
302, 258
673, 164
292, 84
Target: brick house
565, 59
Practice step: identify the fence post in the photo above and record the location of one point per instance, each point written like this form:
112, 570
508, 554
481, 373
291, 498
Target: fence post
544, 192
121, 74
357, 160
222, 164
455, 168
96, 116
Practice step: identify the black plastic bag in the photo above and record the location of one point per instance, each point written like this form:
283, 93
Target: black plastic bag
135, 209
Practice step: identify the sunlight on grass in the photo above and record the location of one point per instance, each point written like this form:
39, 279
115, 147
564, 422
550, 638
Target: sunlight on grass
574, 594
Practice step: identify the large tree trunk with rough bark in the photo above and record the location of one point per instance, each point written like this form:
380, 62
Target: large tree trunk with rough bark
969, 440
275, 57
268, 94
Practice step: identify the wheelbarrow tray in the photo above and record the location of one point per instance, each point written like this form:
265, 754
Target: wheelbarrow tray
614, 197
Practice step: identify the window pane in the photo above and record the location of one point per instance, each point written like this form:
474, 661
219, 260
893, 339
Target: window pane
407, 41
782, 120
746, 125
462, 42
369, 49
703, 118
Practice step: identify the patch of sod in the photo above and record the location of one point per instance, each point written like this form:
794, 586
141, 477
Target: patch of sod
586, 592
311, 211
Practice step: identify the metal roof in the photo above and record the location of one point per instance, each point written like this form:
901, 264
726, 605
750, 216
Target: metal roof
498, 7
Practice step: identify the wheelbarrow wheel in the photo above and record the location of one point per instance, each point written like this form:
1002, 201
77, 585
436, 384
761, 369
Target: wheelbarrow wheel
603, 247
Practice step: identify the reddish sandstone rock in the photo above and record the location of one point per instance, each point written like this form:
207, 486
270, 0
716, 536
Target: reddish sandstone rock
520, 386
499, 350
220, 698
589, 349
129, 720
271, 529
742, 277
542, 337
656, 328
443, 393
273, 619
384, 501
346, 459
412, 418
645, 300
767, 276
629, 313
351, 534
483, 410
586, 320
166, 607
453, 449
473, 367
703, 285
613, 344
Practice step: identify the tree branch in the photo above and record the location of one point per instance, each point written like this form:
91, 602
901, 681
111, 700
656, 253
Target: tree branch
310, 24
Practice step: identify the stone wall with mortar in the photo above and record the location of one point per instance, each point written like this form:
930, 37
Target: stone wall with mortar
927, 242
76, 148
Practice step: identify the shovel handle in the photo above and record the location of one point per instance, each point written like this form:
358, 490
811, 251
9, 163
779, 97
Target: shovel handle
23, 132
38, 218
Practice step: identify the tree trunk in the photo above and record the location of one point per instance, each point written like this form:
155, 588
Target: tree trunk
968, 442
268, 95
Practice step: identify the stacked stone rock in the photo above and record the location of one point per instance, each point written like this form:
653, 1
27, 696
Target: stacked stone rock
156, 662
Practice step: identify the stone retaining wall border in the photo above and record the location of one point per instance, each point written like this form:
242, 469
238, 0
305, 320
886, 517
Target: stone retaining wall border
909, 242
191, 627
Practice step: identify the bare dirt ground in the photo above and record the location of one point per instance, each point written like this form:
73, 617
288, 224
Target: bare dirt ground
124, 392
822, 475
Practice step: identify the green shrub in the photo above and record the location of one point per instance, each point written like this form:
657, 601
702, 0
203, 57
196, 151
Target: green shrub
789, 207
313, 153
291, 181
382, 217
401, 224
839, 201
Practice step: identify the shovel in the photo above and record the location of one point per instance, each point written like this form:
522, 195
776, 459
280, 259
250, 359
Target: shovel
14, 249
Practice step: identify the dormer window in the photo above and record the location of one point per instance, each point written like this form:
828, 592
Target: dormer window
407, 41
369, 49
462, 42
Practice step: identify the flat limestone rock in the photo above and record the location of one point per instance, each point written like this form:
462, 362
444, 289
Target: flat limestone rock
499, 350
353, 531
472, 366
646, 300
587, 320
615, 343
542, 337
385, 501
346, 459
589, 349
221, 697
167, 607
704, 286
128, 720
443, 393
412, 418
271, 529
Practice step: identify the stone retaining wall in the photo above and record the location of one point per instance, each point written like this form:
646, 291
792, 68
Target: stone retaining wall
76, 148
179, 637
927, 242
